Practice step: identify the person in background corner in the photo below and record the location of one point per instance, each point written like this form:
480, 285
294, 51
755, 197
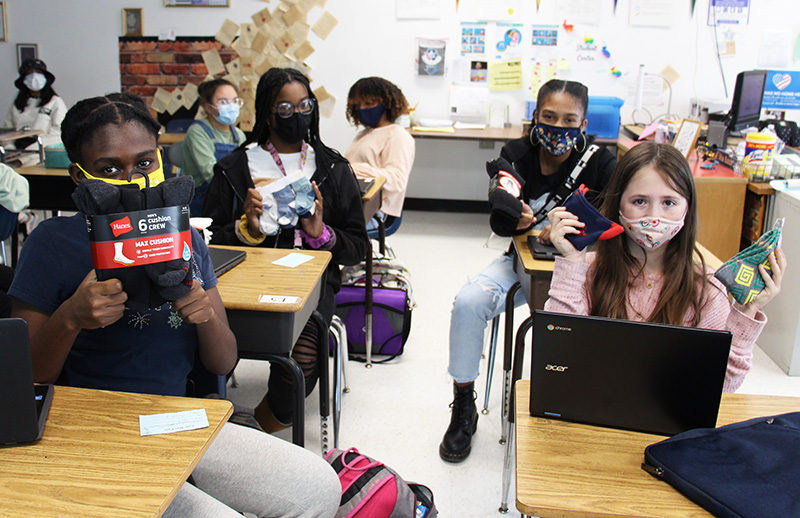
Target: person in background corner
14, 196
382, 148
212, 138
36, 107
285, 149
534, 174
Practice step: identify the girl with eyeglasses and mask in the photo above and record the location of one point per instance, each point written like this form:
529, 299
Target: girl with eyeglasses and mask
247, 209
36, 107
382, 148
538, 169
209, 140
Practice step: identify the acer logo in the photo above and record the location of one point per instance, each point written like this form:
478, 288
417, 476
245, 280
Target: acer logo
556, 368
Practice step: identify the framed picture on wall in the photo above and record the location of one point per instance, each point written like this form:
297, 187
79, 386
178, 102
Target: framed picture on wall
686, 138
3, 28
132, 22
26, 51
197, 3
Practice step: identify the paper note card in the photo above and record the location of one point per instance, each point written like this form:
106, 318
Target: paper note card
263, 16
160, 100
505, 75
213, 62
324, 25
172, 422
278, 299
303, 51
293, 259
227, 32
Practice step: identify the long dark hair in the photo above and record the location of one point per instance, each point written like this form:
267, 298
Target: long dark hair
615, 269
88, 116
46, 94
576, 90
267, 91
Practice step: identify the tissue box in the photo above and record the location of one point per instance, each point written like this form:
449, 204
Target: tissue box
602, 116
55, 157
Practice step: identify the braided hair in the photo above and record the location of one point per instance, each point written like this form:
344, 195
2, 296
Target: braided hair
88, 116
267, 91
385, 92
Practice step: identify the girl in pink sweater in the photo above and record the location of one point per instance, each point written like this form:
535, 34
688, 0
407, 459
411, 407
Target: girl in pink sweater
654, 272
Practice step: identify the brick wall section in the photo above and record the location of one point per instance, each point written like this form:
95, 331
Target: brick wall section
146, 64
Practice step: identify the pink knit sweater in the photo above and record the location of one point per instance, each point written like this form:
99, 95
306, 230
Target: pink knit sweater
568, 294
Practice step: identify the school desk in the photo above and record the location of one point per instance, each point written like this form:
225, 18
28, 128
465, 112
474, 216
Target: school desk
488, 134
92, 462
268, 307
371, 204
10, 136
574, 470
720, 203
167, 139
50, 189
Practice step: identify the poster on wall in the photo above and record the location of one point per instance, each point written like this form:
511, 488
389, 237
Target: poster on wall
507, 42
430, 61
728, 12
473, 38
478, 72
782, 91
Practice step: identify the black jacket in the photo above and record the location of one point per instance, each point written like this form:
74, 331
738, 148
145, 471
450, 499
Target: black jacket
524, 156
341, 211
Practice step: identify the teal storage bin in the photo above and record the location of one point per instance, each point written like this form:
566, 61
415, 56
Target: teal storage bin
55, 157
603, 115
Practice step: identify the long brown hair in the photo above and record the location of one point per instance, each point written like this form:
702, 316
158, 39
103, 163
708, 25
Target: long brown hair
615, 269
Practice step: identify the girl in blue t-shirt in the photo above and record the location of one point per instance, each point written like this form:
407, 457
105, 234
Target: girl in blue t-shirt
82, 333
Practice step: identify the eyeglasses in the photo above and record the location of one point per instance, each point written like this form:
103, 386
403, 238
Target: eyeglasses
287, 109
225, 102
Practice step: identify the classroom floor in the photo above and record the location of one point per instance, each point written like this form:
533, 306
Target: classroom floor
398, 412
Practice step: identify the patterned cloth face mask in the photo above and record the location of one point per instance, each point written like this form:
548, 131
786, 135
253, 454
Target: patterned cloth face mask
651, 232
556, 140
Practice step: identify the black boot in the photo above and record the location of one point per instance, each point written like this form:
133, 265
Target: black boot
455, 445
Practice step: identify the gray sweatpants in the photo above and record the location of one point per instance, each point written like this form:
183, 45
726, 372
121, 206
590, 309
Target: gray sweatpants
245, 470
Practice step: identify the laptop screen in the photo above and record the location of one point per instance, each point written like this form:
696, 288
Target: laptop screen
621, 374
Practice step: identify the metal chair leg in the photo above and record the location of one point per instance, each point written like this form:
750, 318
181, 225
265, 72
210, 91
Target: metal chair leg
490, 369
339, 358
508, 462
508, 343
323, 349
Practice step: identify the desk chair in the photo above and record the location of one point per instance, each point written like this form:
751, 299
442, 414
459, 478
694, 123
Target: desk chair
8, 228
383, 230
178, 125
340, 356
203, 382
175, 156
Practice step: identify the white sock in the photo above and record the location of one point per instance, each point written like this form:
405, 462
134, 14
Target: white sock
119, 257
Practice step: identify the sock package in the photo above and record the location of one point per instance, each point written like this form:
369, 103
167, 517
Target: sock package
285, 201
148, 285
505, 189
597, 226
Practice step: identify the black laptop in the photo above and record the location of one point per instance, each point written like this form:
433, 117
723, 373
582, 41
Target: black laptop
23, 405
364, 184
224, 259
637, 376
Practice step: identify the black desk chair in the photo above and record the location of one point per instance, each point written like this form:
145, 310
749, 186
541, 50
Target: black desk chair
8, 228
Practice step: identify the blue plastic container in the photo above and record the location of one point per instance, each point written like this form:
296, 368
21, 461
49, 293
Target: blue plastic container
603, 115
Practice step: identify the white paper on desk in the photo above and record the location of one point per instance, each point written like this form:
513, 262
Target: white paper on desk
278, 299
292, 260
172, 422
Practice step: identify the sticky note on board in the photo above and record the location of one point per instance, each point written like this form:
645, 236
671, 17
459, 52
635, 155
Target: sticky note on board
213, 62
303, 51
246, 66
549, 71
234, 67
562, 64
262, 17
324, 25
227, 32
299, 31
242, 47
260, 42
505, 75
536, 79
671, 74
321, 94
189, 95
284, 42
263, 67
160, 100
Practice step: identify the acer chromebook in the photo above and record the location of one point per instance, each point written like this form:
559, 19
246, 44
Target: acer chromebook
637, 376
224, 259
23, 405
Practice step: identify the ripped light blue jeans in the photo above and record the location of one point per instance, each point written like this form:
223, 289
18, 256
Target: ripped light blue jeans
481, 299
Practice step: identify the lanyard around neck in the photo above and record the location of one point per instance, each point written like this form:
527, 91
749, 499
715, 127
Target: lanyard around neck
277, 158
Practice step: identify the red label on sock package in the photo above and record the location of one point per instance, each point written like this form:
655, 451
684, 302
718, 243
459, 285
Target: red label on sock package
140, 238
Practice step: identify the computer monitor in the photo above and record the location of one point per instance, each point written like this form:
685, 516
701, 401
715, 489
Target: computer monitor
747, 97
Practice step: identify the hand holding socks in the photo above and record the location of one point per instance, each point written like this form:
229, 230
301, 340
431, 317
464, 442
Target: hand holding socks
505, 189
597, 226
740, 273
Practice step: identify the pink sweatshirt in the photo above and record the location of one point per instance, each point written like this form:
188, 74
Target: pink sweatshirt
568, 294
388, 152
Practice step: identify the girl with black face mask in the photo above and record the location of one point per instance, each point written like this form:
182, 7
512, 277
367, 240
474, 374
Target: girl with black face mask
382, 148
285, 188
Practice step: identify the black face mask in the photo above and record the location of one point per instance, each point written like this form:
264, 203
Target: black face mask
293, 129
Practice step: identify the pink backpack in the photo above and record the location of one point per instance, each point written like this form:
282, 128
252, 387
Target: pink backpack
372, 490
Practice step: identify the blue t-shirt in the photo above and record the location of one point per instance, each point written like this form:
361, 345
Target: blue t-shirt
149, 351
